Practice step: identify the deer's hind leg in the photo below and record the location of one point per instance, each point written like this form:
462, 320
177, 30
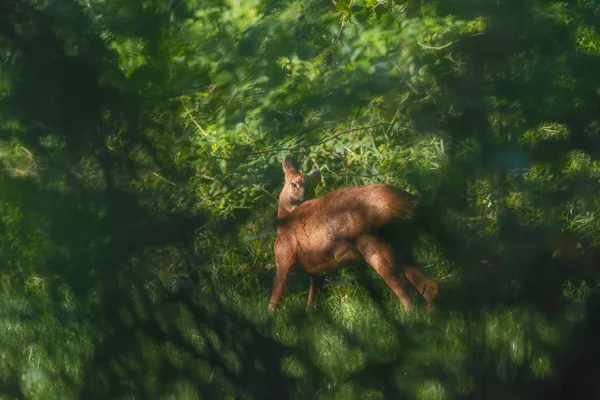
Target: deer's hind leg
380, 255
426, 286
316, 283
405, 261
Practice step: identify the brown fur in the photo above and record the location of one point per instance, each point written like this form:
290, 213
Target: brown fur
364, 222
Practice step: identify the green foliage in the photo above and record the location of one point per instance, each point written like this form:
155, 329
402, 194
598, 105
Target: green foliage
140, 151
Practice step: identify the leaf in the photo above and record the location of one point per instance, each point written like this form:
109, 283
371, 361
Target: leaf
342, 6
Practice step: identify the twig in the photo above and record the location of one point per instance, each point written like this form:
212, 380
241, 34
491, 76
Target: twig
435, 47
28, 153
164, 179
399, 69
342, 23
366, 175
193, 120
264, 190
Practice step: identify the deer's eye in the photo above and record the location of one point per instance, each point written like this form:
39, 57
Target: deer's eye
295, 186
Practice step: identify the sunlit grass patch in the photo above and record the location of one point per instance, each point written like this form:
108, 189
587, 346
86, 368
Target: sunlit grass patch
430, 390
334, 354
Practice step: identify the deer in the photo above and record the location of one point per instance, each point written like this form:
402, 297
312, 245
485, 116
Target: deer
369, 222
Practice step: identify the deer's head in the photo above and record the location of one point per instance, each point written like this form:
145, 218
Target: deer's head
298, 187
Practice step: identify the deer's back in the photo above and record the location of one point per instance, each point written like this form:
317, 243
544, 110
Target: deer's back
344, 214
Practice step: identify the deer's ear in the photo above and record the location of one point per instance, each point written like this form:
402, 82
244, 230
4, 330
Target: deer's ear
288, 167
313, 178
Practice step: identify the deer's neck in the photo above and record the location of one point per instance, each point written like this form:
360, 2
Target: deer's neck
284, 212
285, 209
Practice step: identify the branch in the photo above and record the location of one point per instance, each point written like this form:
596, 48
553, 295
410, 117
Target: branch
435, 47
265, 191
325, 140
342, 23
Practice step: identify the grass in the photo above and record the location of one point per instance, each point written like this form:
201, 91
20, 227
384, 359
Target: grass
357, 343
362, 344
351, 335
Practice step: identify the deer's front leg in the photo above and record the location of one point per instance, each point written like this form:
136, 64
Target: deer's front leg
279, 286
283, 265
285, 259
